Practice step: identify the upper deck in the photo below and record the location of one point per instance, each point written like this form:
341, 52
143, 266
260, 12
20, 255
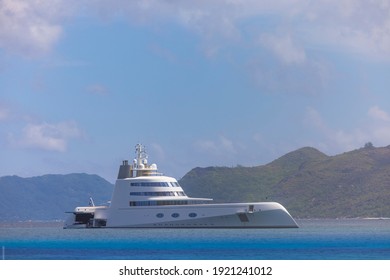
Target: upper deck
140, 166
140, 184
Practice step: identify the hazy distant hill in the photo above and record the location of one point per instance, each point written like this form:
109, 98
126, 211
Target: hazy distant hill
307, 182
48, 197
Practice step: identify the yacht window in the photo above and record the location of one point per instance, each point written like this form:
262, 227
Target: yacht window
153, 193
192, 215
135, 193
158, 203
175, 215
160, 215
149, 184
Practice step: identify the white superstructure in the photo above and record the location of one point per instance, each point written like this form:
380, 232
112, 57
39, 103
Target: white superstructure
144, 198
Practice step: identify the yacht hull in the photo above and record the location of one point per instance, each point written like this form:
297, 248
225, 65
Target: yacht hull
228, 215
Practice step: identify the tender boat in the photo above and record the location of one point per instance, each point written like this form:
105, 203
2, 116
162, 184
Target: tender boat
144, 198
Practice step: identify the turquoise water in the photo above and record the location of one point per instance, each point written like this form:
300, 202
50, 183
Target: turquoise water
361, 239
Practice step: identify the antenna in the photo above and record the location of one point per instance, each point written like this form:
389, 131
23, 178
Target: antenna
141, 156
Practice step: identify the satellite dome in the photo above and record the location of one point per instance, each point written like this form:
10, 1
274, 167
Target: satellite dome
153, 166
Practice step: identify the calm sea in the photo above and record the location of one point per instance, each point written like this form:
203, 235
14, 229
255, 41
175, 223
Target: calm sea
349, 239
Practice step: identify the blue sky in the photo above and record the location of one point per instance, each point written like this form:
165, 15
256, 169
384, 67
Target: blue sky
200, 83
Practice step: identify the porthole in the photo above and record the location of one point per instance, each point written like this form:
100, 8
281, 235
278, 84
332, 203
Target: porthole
160, 215
192, 215
175, 215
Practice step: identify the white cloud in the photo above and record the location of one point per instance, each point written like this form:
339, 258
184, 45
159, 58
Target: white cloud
334, 140
328, 139
50, 137
158, 151
284, 48
24, 131
272, 76
221, 147
285, 39
313, 118
360, 26
98, 89
29, 27
357, 26
377, 113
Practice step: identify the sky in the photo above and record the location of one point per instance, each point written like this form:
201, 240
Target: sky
199, 83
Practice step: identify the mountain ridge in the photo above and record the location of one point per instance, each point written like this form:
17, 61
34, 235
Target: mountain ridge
49, 196
309, 183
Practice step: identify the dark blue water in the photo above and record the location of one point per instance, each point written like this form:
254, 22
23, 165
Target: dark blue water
351, 239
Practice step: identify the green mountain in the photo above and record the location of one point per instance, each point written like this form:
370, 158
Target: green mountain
48, 197
307, 182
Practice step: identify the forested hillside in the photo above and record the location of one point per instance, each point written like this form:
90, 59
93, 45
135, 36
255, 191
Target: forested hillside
307, 182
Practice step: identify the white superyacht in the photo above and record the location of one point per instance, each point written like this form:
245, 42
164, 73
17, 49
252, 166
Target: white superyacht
144, 198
